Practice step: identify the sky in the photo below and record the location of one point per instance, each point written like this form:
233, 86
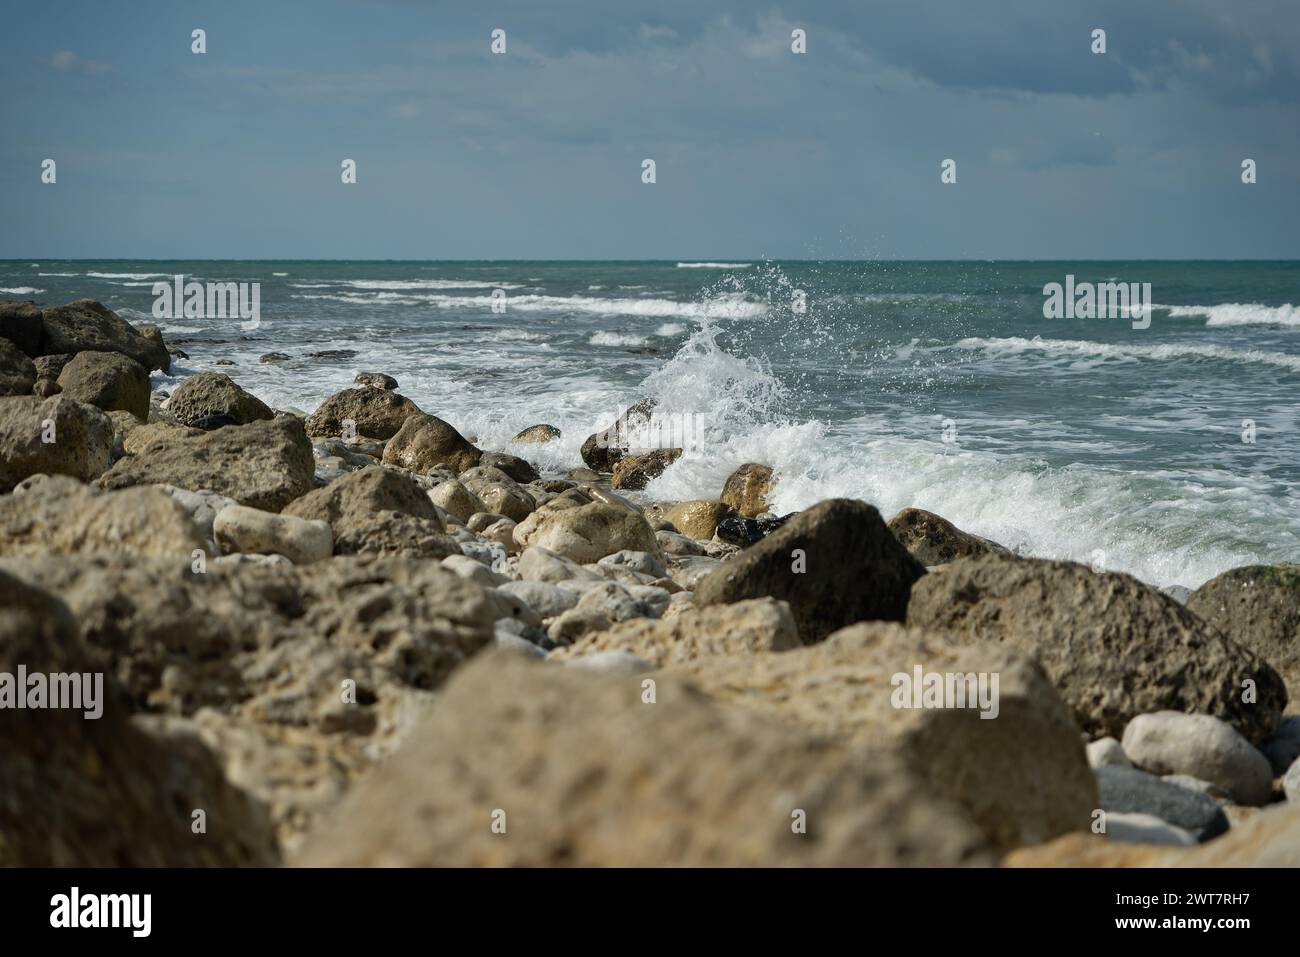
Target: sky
836, 153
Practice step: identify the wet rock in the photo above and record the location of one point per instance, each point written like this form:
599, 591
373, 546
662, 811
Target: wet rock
375, 380
637, 471
602, 450
933, 540
538, 434
747, 489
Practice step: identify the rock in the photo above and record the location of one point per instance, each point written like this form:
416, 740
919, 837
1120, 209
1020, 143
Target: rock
213, 394
1257, 606
745, 628
747, 489
643, 562
674, 543
543, 565
545, 599
63, 775
375, 380
81, 439
108, 381
60, 516
302, 541
22, 325
1022, 775
835, 563
1283, 747
1269, 839
425, 441
1291, 782
512, 465
602, 450
1204, 747
636, 471
139, 438
575, 624
689, 571
87, 326
613, 662
936, 541
377, 510
1179, 593
475, 571
1146, 829
270, 358
17, 371
49, 367
1128, 790
45, 388
201, 506
482, 520
375, 413
510, 642
1114, 647
581, 772
499, 493
586, 533
537, 434
698, 519
264, 464
743, 532
1105, 752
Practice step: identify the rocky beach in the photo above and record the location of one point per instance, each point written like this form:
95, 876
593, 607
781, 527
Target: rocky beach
357, 635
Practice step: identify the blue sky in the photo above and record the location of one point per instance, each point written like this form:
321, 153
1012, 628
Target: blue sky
836, 153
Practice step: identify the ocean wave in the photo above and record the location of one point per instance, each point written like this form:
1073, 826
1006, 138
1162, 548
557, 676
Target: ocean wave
670, 329
714, 265
21, 290
1238, 314
412, 284
1108, 350
279, 274
725, 307
616, 339
129, 275
58, 274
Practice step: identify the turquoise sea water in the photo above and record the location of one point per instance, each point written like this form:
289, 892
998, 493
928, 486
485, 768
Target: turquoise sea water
939, 385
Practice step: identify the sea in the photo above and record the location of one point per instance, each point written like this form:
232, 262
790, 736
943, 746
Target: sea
1171, 452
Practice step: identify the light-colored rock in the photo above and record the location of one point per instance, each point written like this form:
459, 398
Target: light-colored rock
747, 489
1202, 746
375, 413
241, 529
545, 599
1105, 752
586, 533
474, 570
615, 662
543, 565
209, 395
1146, 829
55, 436
426, 441
458, 501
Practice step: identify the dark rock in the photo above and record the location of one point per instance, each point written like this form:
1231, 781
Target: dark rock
87, 326
933, 540
1128, 791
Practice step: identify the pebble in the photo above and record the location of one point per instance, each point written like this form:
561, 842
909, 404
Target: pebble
1204, 747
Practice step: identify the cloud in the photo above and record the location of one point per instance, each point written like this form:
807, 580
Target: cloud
66, 61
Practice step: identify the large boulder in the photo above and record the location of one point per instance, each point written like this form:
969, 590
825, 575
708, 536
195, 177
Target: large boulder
1114, 647
587, 533
374, 413
1257, 606
87, 326
743, 630
425, 441
747, 489
835, 563
66, 771
934, 540
17, 371
108, 381
602, 450
264, 464
21, 325
210, 394
377, 510
60, 516
525, 764
54, 436
1021, 772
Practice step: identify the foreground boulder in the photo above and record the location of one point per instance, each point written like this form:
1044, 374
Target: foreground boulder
933, 540
108, 381
374, 413
426, 441
64, 774
1021, 774
1114, 647
60, 516
525, 764
263, 465
17, 371
54, 436
835, 563
587, 533
747, 489
209, 395
1257, 606
88, 326
377, 510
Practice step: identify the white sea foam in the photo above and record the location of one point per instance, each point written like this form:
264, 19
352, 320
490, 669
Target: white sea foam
129, 275
58, 274
1238, 314
714, 265
723, 307
669, 329
21, 290
1108, 350
616, 339
279, 274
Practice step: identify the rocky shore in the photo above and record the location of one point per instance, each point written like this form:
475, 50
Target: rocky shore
354, 637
